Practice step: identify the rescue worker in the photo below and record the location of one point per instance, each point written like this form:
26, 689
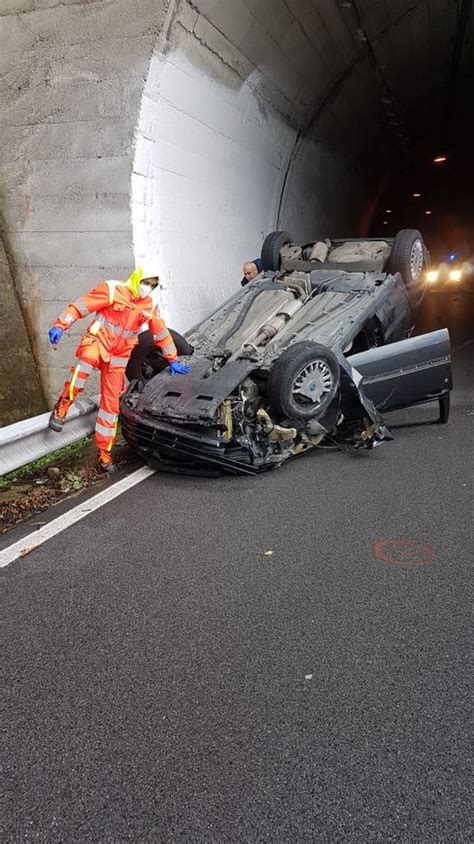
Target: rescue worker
251, 269
121, 309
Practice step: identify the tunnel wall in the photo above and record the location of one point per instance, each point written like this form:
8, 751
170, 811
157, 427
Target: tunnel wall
20, 385
249, 121
185, 130
73, 73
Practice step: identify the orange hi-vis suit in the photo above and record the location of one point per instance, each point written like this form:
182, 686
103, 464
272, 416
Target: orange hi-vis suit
108, 344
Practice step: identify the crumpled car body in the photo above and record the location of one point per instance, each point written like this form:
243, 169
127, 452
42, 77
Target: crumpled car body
291, 360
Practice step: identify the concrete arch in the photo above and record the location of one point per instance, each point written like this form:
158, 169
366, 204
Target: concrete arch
190, 129
237, 136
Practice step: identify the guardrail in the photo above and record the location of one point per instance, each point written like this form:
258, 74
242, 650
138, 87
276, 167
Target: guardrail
28, 440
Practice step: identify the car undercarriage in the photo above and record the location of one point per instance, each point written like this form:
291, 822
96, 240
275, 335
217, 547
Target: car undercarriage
294, 360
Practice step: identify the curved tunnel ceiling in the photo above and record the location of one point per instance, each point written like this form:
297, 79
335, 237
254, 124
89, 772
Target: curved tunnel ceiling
191, 129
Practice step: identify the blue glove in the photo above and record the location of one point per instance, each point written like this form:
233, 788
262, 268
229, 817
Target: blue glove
55, 335
178, 368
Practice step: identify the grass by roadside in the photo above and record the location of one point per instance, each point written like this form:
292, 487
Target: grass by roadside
34, 488
68, 452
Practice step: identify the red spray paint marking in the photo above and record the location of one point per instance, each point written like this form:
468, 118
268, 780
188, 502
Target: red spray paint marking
404, 552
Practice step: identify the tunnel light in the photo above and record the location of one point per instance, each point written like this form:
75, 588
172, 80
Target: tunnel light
416, 195
440, 159
428, 212
388, 210
385, 223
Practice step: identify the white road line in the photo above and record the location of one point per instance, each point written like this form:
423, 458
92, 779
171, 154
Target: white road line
36, 539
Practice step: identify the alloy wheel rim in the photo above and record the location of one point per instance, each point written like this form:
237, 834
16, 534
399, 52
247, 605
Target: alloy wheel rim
416, 259
313, 383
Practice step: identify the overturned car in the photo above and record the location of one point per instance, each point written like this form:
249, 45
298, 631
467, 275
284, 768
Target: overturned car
318, 346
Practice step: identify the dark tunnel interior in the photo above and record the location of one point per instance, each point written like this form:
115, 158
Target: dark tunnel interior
430, 185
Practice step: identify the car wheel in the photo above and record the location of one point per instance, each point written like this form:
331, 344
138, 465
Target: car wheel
146, 359
408, 256
303, 382
270, 254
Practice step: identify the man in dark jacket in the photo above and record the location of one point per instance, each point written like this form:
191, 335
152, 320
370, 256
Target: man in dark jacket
251, 269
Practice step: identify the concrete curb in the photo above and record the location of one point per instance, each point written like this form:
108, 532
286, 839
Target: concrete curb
30, 439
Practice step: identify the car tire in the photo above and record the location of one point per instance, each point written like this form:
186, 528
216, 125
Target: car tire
309, 366
408, 257
270, 254
146, 360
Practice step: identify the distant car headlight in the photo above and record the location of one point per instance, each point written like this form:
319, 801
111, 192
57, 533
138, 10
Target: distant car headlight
432, 275
455, 275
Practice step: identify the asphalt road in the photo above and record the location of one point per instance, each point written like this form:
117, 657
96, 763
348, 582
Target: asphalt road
166, 681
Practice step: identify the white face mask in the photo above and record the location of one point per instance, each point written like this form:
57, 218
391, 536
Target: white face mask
145, 290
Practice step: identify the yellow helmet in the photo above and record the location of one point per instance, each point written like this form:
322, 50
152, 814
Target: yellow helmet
147, 269
150, 270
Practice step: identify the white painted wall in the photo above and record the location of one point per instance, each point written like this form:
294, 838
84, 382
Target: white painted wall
207, 174
223, 108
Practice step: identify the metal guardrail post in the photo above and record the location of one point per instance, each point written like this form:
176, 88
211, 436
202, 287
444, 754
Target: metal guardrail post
28, 440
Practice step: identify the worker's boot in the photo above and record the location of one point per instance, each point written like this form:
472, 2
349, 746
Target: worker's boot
58, 417
106, 463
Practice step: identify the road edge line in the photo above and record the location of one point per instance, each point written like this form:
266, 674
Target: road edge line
37, 538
